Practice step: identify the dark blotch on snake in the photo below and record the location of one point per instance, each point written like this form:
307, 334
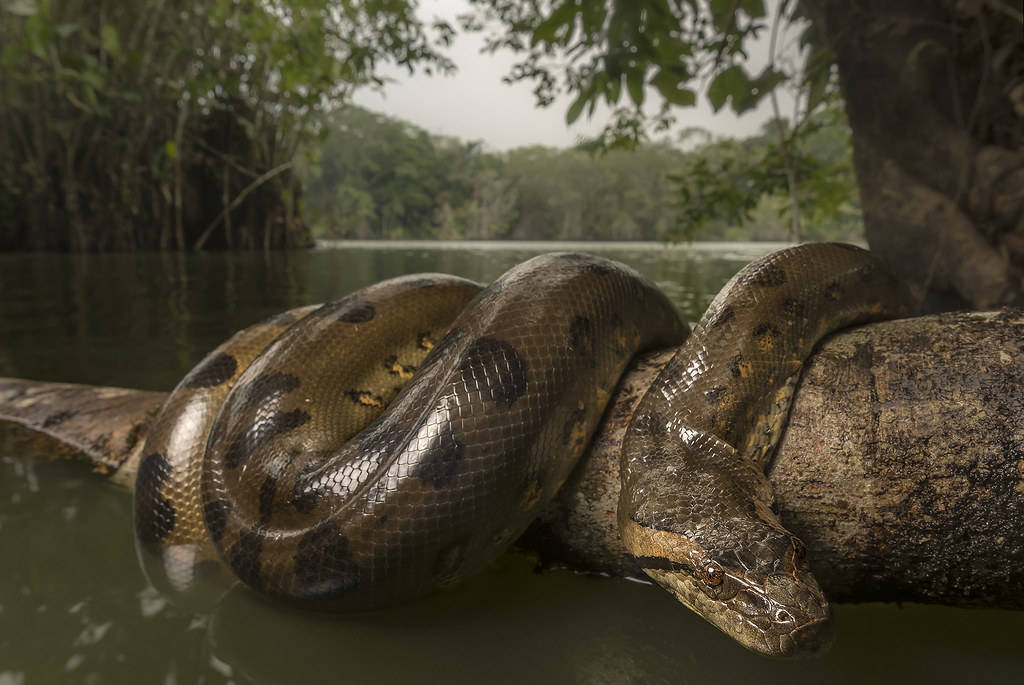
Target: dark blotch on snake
720, 317
365, 398
581, 336
155, 520
392, 366
765, 332
572, 424
793, 307
245, 557
212, 372
714, 395
734, 366
866, 272
261, 433
323, 563
348, 309
445, 456
215, 514
361, 312
768, 276
268, 488
494, 369
620, 344
448, 561
267, 387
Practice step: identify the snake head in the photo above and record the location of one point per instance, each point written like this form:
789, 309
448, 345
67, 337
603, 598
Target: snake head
762, 594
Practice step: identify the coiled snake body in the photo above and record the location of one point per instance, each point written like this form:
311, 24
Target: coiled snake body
277, 449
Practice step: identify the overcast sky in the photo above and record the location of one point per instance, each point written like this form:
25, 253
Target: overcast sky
474, 104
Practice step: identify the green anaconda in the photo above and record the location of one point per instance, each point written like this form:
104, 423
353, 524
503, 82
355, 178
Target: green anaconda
375, 448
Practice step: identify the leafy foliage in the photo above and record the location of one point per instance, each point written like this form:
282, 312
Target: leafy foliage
728, 179
157, 122
616, 52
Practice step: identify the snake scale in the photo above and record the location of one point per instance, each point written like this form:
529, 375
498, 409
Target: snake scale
395, 441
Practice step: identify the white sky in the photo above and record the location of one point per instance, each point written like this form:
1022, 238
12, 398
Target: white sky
474, 104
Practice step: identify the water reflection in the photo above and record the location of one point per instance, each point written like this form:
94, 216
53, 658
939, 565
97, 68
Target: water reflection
142, 320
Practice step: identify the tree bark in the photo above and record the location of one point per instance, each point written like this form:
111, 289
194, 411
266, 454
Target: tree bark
934, 95
902, 468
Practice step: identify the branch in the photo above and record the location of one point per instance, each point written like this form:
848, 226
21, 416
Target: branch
260, 180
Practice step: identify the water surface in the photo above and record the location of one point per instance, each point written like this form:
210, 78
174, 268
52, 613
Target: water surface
75, 608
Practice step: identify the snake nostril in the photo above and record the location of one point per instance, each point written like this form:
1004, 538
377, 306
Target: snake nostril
783, 616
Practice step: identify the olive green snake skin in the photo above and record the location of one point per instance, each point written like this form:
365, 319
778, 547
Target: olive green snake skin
395, 441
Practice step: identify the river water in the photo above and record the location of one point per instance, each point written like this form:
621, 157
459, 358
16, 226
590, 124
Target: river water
75, 608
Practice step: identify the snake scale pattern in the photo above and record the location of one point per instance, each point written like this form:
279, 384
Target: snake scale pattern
373, 449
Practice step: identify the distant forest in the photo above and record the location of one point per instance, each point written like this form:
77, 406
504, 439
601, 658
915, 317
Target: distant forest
378, 177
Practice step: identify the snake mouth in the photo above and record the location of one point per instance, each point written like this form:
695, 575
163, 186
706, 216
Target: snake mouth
810, 639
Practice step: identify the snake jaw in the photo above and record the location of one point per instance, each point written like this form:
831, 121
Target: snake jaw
780, 616
765, 598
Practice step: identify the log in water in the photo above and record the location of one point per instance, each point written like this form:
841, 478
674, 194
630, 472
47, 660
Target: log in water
902, 468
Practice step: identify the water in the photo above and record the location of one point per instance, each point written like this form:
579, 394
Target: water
75, 608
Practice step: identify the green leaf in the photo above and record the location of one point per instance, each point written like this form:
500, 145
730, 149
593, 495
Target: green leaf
731, 83
721, 14
635, 85
753, 8
613, 90
563, 16
668, 84
171, 150
758, 88
110, 40
576, 108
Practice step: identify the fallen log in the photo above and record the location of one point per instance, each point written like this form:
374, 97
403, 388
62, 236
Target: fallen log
902, 467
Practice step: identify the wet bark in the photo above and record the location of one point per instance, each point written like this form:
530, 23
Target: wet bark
934, 95
902, 468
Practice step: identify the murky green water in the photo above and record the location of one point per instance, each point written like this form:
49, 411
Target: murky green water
75, 608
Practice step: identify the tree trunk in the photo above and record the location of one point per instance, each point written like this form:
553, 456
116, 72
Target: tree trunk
902, 468
934, 94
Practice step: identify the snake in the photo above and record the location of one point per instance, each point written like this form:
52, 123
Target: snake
393, 442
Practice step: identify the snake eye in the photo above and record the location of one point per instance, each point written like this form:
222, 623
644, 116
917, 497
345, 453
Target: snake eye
712, 574
783, 616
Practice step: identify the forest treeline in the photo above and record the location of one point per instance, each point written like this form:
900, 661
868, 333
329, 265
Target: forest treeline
174, 124
378, 177
161, 124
